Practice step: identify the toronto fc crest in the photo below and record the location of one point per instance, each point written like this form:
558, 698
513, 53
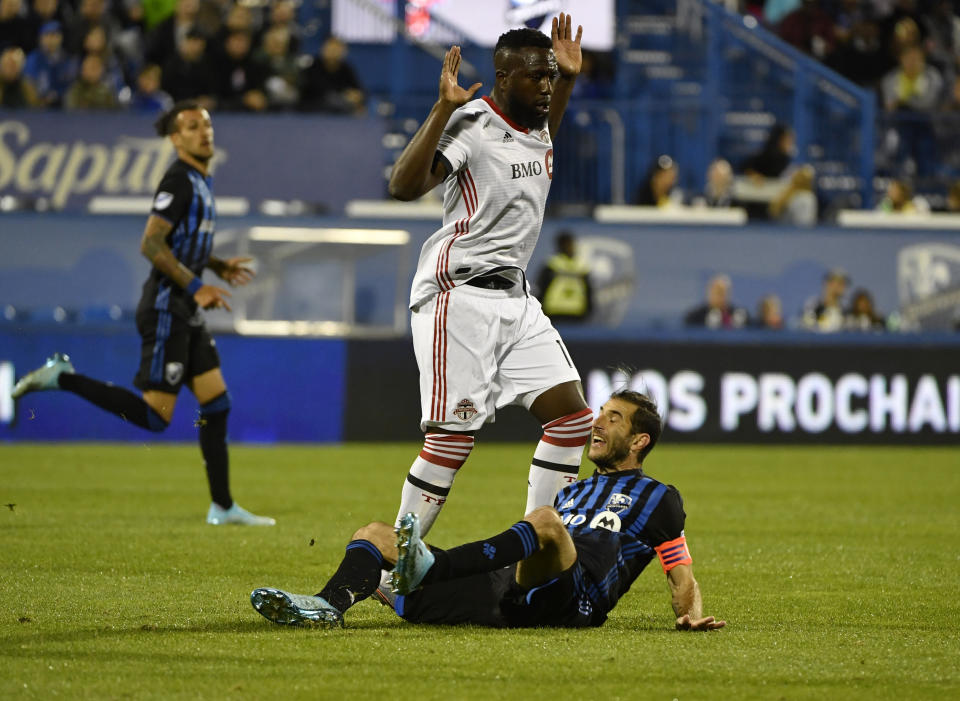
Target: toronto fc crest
465, 410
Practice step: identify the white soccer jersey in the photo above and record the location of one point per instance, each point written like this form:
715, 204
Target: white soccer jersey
493, 200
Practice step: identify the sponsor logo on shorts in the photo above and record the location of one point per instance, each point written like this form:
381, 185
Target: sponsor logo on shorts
619, 503
173, 373
607, 520
465, 410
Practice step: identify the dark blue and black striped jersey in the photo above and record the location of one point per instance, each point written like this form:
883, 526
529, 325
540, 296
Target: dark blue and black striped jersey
185, 199
628, 510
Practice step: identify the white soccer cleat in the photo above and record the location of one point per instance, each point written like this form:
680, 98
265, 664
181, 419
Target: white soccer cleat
414, 557
236, 514
44, 377
295, 609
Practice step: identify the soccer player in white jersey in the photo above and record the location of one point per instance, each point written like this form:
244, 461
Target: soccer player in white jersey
481, 340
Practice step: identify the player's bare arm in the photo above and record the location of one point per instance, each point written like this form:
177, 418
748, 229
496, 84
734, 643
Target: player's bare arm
566, 48
154, 247
687, 602
236, 271
417, 172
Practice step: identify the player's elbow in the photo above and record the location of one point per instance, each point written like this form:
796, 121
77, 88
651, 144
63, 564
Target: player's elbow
401, 191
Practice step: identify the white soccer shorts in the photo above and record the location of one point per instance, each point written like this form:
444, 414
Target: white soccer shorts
479, 350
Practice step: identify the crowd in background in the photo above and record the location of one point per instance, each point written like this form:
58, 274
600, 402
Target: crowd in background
833, 310
142, 56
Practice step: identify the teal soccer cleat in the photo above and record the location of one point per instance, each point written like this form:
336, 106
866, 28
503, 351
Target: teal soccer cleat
414, 559
44, 377
295, 609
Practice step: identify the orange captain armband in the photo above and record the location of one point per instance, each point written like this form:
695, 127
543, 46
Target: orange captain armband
673, 552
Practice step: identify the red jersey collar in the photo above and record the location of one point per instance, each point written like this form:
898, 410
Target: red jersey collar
493, 106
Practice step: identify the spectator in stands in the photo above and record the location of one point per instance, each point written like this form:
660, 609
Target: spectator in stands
283, 13
911, 93
48, 67
943, 38
659, 186
902, 27
163, 41
796, 204
241, 78
718, 191
91, 90
187, 75
899, 199
15, 91
769, 313
15, 30
90, 13
239, 19
156, 11
330, 83
147, 97
718, 312
826, 314
862, 316
794, 201
283, 84
809, 28
564, 283
40, 13
775, 156
95, 42
914, 86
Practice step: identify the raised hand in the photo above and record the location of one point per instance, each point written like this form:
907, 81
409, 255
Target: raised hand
236, 271
450, 90
708, 623
566, 48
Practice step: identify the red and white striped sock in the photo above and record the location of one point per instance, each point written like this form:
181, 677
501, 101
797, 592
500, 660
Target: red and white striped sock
431, 475
556, 461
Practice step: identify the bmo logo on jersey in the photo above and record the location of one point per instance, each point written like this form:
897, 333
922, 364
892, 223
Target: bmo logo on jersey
533, 168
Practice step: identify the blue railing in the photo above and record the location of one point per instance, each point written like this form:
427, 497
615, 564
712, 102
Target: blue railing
748, 68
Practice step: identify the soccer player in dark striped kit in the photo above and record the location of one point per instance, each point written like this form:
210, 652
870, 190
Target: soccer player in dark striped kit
565, 565
176, 348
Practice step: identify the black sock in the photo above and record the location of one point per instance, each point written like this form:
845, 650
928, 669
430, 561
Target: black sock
117, 400
213, 445
356, 578
514, 544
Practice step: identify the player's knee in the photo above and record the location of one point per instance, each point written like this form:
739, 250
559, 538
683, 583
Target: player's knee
374, 532
156, 422
219, 404
547, 523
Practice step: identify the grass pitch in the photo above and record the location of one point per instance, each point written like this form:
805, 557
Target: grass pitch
836, 569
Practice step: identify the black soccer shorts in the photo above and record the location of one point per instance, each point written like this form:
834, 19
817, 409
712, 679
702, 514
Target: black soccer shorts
173, 350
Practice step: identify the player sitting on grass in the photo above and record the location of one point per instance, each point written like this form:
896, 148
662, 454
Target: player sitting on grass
565, 565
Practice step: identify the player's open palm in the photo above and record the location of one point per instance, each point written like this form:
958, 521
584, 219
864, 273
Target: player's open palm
237, 271
450, 90
566, 47
211, 297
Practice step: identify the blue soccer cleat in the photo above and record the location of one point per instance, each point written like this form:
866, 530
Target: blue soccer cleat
44, 377
414, 559
295, 609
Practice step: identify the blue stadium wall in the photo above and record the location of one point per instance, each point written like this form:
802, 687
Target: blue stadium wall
743, 388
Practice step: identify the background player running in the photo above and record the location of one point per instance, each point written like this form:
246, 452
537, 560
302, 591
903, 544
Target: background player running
481, 340
566, 565
176, 346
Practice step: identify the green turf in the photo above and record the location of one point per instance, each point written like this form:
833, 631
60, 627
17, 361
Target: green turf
836, 569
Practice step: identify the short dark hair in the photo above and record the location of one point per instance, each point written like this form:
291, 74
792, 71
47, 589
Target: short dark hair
522, 38
645, 419
166, 124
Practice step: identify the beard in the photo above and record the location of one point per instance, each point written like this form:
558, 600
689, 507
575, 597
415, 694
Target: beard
616, 452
